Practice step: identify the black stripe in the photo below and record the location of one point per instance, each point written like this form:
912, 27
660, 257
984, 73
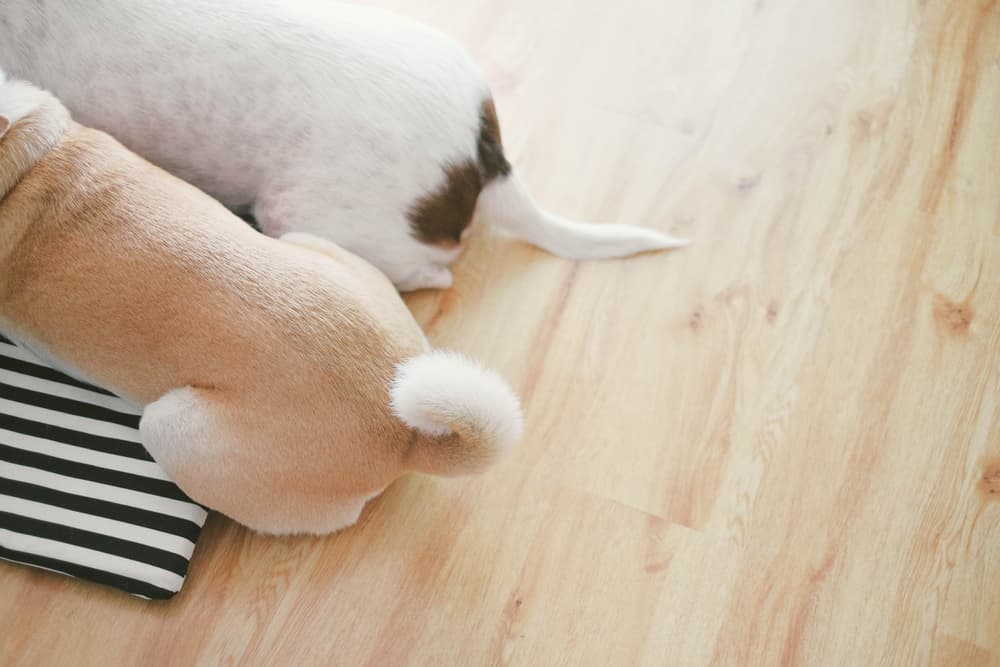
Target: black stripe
98, 443
142, 553
124, 480
45, 373
67, 406
164, 523
127, 584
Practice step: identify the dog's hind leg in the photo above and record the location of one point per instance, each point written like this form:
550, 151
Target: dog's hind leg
190, 433
207, 447
184, 432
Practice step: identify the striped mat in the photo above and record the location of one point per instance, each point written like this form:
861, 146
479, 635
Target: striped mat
78, 493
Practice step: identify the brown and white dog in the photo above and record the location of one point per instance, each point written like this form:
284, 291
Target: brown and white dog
348, 122
284, 381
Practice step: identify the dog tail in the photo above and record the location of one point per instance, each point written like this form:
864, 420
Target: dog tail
506, 203
465, 416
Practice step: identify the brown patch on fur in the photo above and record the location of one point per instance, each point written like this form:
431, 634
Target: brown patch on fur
443, 215
4, 125
492, 161
440, 217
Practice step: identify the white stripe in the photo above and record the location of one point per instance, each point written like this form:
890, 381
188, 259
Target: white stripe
65, 574
53, 388
82, 455
18, 352
97, 524
24, 354
97, 560
56, 418
98, 491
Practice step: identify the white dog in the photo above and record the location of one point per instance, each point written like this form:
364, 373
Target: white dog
346, 122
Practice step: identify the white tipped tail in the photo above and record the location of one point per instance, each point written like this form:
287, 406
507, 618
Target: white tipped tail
466, 416
506, 203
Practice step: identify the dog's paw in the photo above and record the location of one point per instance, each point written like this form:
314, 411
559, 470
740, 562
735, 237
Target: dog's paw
433, 276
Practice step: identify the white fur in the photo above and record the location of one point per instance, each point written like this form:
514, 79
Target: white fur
321, 117
18, 99
507, 204
440, 391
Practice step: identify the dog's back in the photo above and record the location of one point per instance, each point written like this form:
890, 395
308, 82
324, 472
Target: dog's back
368, 91
187, 280
347, 122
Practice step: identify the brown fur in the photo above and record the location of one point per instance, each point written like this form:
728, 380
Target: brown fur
145, 285
492, 161
441, 216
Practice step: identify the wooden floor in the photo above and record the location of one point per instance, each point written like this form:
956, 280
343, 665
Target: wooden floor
779, 446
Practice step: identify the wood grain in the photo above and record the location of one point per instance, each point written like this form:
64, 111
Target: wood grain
778, 446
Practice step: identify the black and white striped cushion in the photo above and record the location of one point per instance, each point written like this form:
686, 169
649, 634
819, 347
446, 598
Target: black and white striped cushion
78, 493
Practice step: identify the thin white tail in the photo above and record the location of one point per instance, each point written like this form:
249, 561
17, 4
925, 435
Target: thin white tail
506, 203
466, 416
